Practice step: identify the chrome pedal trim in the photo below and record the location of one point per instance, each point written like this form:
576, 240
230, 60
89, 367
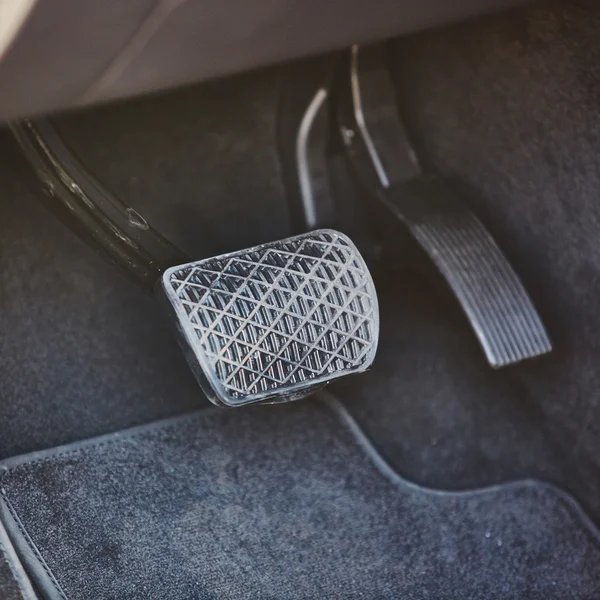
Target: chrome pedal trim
274, 322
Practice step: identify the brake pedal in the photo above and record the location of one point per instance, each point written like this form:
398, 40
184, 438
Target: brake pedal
264, 325
275, 322
489, 291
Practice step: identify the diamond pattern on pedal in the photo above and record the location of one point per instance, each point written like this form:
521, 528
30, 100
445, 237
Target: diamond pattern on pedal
282, 314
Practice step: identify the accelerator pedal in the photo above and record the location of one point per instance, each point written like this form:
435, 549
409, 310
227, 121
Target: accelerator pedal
273, 323
489, 291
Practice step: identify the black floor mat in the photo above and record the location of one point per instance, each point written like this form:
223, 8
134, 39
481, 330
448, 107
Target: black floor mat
281, 502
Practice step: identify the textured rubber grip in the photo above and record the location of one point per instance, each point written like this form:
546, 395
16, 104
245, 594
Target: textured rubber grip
272, 323
490, 293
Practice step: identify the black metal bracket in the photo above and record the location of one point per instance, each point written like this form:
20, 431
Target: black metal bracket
93, 212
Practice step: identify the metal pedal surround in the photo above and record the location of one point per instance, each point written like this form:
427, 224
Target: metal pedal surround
275, 322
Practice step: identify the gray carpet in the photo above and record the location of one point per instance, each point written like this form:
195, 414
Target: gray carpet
82, 350
281, 502
434, 407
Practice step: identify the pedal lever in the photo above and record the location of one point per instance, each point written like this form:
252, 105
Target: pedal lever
273, 323
489, 291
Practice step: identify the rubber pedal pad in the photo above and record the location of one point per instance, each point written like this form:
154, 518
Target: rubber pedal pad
489, 291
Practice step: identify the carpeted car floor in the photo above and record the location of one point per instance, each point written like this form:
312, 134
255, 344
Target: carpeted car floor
281, 502
507, 105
